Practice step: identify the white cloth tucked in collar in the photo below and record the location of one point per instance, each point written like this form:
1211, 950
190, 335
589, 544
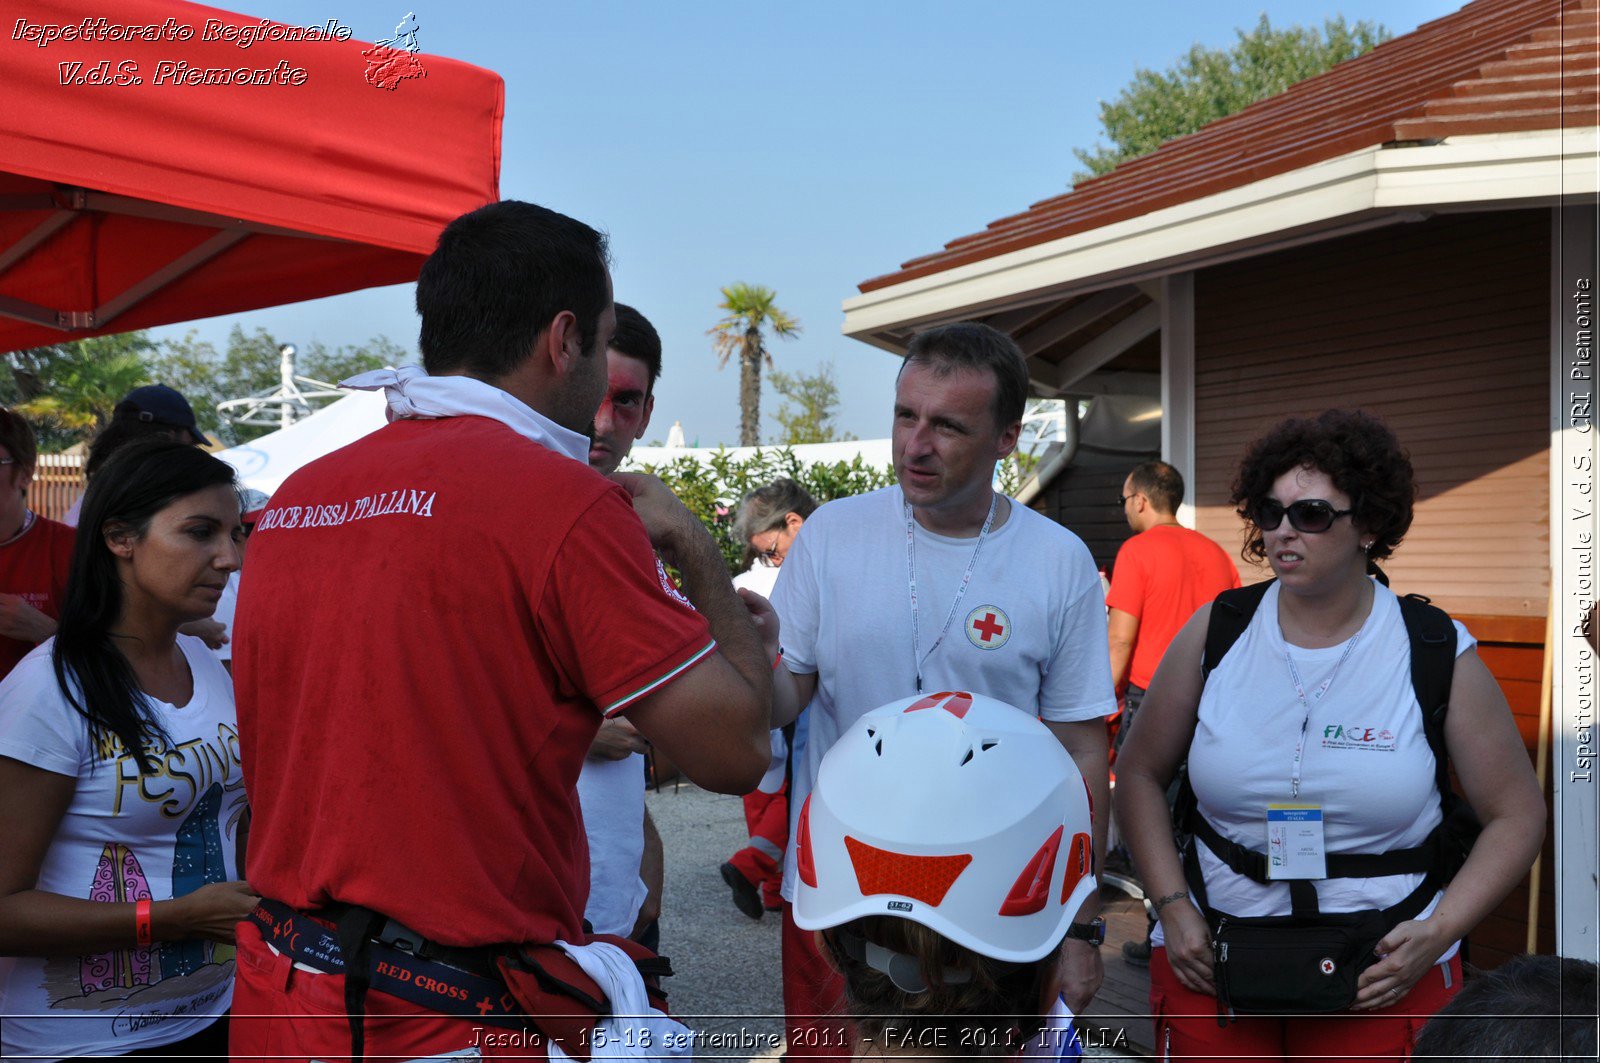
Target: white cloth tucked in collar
635, 1029
412, 394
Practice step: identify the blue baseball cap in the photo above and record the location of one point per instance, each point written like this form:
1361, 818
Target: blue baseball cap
160, 404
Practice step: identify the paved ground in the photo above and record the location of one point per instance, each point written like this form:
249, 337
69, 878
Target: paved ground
727, 985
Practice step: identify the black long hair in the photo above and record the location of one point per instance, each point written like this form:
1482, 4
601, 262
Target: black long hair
141, 479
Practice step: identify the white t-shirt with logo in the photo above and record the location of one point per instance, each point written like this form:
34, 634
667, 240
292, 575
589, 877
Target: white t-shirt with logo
224, 616
126, 837
1030, 630
1367, 761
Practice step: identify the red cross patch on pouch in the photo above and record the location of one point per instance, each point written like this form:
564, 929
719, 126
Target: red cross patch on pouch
988, 627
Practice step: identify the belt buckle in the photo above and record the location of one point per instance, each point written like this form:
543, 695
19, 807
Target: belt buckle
397, 935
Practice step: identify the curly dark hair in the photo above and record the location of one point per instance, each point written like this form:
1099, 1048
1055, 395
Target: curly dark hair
1356, 450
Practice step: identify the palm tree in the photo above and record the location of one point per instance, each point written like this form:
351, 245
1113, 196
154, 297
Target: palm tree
86, 380
750, 307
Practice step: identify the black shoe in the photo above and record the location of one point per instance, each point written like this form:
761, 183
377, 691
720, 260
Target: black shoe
746, 896
1137, 952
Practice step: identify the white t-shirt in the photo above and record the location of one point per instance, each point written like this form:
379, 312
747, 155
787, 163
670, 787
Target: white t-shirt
611, 794
759, 577
1030, 630
70, 517
125, 837
224, 616
1367, 762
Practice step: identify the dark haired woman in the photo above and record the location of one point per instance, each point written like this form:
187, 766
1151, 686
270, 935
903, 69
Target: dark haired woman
120, 780
1308, 739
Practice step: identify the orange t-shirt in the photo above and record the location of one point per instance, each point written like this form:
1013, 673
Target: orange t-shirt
34, 566
1162, 576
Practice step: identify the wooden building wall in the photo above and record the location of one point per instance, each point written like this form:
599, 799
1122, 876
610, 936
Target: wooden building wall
1084, 500
1441, 328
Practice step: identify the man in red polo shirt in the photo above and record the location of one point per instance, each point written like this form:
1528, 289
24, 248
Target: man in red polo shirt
433, 624
35, 553
1161, 576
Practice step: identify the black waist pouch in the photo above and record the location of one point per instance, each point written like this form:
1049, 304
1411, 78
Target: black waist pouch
1293, 964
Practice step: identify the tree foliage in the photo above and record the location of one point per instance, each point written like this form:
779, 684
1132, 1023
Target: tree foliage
751, 310
808, 411
712, 490
249, 364
68, 390
1210, 83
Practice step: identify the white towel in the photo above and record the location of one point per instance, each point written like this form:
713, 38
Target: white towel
635, 1030
412, 394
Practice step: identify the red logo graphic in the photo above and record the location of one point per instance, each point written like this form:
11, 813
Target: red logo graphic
1327, 966
393, 61
988, 627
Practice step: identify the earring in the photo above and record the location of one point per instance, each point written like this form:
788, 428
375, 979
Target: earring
1366, 548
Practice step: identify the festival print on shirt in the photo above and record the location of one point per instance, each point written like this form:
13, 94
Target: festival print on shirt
197, 782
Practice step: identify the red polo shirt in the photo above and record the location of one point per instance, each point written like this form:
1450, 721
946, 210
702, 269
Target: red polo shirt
1161, 577
34, 567
432, 622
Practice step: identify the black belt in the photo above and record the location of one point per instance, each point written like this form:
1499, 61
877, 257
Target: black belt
399, 961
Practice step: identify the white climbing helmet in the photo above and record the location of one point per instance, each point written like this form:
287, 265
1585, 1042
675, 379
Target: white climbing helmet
954, 810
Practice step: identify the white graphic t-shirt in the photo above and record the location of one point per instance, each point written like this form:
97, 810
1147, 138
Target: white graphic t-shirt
1030, 629
126, 837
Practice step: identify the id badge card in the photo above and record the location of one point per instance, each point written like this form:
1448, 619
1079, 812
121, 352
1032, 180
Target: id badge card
1294, 842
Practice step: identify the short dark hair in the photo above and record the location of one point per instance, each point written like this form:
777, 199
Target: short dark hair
497, 278
1160, 483
637, 338
122, 430
970, 345
16, 435
1540, 1007
766, 507
1356, 450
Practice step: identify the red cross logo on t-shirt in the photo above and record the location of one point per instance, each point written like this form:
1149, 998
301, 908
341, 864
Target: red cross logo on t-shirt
988, 627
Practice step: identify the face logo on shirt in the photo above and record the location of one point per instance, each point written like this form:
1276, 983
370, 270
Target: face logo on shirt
1359, 736
988, 627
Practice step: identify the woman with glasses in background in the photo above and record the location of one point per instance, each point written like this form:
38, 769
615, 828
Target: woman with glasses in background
769, 519
1308, 757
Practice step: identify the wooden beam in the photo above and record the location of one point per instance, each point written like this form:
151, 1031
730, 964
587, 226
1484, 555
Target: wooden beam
1106, 346
1078, 318
1119, 382
1022, 318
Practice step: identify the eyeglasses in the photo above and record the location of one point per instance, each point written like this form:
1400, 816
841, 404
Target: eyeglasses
1307, 515
1123, 500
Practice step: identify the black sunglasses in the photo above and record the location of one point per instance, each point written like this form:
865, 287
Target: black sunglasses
1306, 515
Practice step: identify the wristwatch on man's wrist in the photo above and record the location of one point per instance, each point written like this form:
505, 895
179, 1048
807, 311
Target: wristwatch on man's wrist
1094, 931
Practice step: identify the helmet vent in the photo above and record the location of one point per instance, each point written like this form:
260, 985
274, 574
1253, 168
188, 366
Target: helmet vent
966, 759
877, 747
989, 743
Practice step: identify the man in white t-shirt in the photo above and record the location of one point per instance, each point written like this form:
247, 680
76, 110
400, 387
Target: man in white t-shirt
625, 855
940, 583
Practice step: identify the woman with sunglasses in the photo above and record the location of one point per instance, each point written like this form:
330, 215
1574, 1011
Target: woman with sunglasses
1307, 739
120, 781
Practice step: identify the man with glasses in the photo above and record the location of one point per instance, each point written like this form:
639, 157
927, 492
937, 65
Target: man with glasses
1161, 576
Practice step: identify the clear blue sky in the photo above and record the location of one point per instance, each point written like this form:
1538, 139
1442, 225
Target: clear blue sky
805, 145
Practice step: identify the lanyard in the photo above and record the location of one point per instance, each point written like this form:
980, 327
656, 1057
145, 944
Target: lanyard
917, 656
1317, 695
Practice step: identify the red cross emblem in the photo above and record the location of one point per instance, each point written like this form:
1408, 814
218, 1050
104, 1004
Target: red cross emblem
988, 627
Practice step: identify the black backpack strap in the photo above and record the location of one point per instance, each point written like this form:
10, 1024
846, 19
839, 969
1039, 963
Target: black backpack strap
1230, 615
1433, 664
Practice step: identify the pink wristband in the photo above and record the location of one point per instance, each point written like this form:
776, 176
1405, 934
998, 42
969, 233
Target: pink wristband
142, 932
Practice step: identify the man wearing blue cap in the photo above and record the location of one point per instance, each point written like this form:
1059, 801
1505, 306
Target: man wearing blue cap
150, 410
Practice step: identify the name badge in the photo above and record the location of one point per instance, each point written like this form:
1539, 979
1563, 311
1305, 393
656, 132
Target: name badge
1295, 847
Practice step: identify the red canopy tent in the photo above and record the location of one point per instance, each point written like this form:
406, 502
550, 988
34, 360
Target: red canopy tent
249, 165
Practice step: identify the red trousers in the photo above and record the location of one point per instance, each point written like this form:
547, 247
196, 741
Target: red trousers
1186, 1023
761, 862
813, 998
283, 1014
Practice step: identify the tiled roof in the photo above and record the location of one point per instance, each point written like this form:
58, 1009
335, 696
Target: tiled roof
1494, 66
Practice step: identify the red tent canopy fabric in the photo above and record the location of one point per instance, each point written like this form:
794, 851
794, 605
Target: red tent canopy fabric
162, 161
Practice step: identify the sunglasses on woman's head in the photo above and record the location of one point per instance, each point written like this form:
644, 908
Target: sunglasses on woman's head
1306, 515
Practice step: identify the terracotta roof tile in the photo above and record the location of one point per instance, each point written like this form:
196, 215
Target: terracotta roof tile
1494, 66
